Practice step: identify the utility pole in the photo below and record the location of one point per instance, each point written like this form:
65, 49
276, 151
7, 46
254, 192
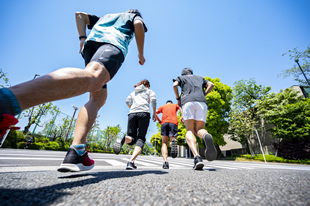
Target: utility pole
75, 108
296, 60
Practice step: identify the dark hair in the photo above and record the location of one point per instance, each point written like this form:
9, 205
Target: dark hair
169, 101
145, 82
187, 71
135, 11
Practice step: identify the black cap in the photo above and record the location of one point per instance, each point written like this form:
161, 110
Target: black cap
169, 101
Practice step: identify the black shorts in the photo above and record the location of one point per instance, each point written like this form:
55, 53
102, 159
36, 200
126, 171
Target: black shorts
105, 54
169, 129
138, 124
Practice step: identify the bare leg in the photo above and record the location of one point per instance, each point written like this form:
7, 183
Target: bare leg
135, 154
88, 115
61, 84
190, 138
164, 150
172, 138
128, 139
200, 128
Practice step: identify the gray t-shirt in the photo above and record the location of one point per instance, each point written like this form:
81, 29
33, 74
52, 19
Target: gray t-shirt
192, 88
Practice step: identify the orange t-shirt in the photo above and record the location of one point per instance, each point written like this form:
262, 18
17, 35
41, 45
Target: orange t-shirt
169, 113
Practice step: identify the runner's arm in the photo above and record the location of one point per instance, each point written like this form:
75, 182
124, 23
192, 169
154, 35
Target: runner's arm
129, 101
209, 87
139, 33
176, 91
158, 118
82, 20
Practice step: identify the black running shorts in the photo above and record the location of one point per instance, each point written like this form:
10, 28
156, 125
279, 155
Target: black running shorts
169, 129
137, 127
105, 54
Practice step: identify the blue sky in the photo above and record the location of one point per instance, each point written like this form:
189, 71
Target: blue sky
231, 40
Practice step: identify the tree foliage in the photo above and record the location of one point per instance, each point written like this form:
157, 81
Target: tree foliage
219, 105
243, 118
304, 61
35, 113
288, 113
156, 141
56, 131
4, 81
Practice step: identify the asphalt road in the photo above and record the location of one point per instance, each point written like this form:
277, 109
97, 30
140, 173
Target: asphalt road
29, 177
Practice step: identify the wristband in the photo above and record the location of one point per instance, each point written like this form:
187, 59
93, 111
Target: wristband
178, 98
82, 37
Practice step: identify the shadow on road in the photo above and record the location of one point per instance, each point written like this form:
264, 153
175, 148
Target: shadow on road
48, 194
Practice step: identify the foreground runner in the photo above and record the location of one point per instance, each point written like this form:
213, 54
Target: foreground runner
194, 113
104, 51
169, 128
138, 120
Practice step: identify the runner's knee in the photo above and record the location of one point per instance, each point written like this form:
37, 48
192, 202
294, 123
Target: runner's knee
140, 143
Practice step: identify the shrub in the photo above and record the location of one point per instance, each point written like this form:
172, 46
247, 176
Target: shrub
13, 138
51, 146
42, 140
37, 145
21, 145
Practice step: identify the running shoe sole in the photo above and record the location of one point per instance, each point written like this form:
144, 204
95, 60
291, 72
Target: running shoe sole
117, 146
210, 150
65, 167
130, 168
174, 148
199, 166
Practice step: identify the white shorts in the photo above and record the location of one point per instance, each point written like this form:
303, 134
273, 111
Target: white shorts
195, 110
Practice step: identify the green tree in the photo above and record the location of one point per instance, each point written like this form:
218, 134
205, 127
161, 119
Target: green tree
55, 131
244, 118
304, 59
219, 105
35, 113
4, 81
288, 113
156, 141
110, 135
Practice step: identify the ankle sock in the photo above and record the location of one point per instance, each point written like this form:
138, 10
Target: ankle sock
80, 148
8, 104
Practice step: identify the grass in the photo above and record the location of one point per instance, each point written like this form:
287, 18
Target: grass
269, 158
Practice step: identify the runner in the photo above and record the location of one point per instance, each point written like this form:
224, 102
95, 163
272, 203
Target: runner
194, 113
138, 120
169, 128
104, 51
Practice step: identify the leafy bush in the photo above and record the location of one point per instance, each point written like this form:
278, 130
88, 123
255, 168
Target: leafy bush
21, 145
13, 138
37, 145
63, 146
42, 139
270, 158
51, 146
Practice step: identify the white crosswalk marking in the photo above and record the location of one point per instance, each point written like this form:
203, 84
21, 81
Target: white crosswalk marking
115, 163
32, 160
138, 162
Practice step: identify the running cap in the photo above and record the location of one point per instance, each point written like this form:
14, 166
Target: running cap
187, 71
169, 101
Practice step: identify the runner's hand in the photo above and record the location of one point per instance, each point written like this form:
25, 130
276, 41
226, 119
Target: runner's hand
141, 59
154, 117
81, 44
